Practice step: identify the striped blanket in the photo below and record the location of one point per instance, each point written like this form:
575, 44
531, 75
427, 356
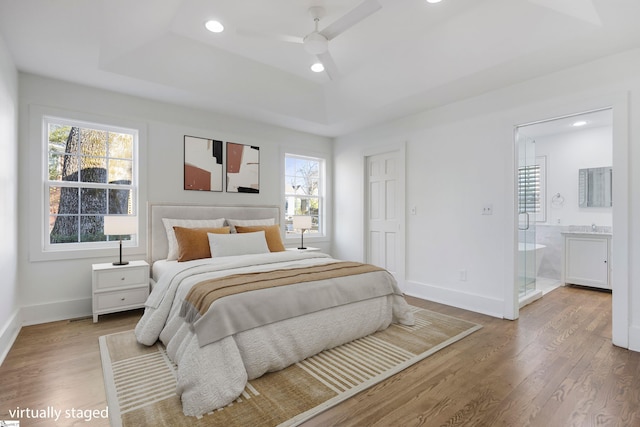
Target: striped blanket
213, 312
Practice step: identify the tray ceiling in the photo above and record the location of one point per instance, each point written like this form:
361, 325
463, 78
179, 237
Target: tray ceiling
407, 57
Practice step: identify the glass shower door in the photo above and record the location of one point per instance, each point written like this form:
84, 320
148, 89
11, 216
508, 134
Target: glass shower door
528, 205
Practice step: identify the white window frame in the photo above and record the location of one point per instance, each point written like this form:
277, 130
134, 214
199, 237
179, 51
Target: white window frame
40, 248
323, 223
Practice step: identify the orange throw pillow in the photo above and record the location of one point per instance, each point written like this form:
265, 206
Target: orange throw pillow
271, 233
193, 243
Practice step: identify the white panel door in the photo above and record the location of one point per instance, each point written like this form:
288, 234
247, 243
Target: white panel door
385, 212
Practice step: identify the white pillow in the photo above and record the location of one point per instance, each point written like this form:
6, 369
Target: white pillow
237, 244
249, 222
186, 223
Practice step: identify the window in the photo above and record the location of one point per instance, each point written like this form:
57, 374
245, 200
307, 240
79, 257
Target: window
91, 172
304, 182
531, 189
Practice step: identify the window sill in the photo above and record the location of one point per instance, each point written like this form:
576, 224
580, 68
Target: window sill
60, 255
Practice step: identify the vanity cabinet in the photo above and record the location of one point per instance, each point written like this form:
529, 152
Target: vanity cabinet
587, 259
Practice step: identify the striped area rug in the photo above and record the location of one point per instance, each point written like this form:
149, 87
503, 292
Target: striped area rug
140, 381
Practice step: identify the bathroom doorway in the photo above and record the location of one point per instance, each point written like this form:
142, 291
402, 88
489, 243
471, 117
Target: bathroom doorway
550, 155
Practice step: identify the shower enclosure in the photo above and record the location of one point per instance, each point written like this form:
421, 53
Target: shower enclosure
528, 206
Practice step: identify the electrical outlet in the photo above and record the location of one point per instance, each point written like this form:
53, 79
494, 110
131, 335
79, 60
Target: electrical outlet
413, 210
487, 209
463, 275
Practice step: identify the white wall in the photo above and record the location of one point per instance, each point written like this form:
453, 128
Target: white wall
567, 153
62, 288
450, 174
9, 313
462, 155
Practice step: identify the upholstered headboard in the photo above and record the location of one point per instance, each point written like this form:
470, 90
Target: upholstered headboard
157, 236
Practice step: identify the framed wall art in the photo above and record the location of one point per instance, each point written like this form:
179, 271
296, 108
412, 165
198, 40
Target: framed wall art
243, 168
203, 170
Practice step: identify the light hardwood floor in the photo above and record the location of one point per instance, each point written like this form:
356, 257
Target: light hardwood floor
555, 366
58, 365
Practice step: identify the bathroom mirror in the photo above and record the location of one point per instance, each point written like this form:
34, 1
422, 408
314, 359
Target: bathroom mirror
594, 187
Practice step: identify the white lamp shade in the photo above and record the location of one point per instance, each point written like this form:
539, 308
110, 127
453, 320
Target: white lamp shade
301, 222
120, 225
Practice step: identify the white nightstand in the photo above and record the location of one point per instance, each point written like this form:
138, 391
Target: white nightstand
309, 249
119, 287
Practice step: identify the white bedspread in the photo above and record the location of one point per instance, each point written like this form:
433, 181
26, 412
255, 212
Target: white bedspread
214, 375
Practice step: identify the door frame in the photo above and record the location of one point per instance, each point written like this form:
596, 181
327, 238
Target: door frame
620, 274
400, 149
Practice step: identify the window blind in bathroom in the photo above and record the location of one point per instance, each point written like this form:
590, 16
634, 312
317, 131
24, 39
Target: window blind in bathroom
529, 184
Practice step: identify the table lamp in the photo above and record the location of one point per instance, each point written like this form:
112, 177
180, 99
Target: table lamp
301, 222
120, 225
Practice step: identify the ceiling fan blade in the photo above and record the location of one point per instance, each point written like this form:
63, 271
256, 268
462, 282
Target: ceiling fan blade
269, 36
355, 15
330, 66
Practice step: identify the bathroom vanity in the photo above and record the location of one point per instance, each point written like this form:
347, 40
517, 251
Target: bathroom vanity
587, 258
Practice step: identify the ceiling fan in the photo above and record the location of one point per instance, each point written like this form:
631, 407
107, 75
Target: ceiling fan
317, 42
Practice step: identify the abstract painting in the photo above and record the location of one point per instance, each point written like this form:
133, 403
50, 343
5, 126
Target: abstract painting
243, 168
203, 169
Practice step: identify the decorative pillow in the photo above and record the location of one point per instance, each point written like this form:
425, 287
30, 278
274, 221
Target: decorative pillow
237, 244
249, 222
272, 234
172, 253
193, 243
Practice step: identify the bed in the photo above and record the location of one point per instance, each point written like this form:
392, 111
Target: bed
290, 304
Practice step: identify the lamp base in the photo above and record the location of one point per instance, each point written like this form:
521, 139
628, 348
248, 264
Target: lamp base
120, 262
301, 247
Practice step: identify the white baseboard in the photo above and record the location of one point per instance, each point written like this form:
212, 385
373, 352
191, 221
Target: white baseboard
467, 301
52, 312
9, 333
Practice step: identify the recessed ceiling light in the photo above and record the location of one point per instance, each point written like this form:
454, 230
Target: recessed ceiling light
434, 1
317, 67
579, 123
214, 26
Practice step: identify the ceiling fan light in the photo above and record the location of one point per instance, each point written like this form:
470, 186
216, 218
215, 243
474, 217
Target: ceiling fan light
315, 43
317, 67
214, 26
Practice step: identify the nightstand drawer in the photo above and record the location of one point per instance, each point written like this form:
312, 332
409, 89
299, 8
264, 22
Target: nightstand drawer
115, 299
121, 277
